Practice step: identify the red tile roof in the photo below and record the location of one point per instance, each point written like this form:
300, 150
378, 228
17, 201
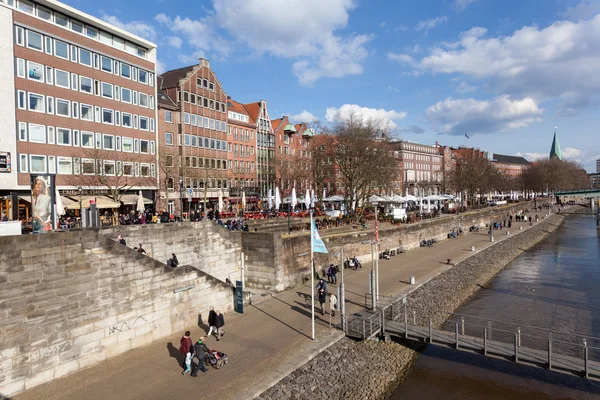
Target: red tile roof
279, 123
253, 110
239, 108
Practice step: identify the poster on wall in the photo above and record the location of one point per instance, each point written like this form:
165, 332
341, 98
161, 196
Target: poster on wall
4, 162
42, 203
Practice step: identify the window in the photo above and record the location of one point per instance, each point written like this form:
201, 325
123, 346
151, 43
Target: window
22, 162
143, 100
96, 61
118, 143
126, 95
107, 116
85, 57
85, 84
76, 26
36, 103
61, 20
127, 168
61, 49
127, 144
108, 142
87, 166
98, 140
206, 122
87, 112
65, 165
107, 90
44, 13
168, 116
126, 71
63, 107
136, 145
143, 123
37, 133
109, 168
76, 138
145, 170
50, 75
37, 164
51, 164
35, 71
92, 32
143, 76
87, 140
63, 136
35, 41
126, 120
74, 81
106, 64
186, 118
61, 78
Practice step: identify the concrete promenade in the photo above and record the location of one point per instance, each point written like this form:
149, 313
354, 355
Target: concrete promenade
265, 344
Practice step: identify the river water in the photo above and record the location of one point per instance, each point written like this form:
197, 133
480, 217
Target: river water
555, 284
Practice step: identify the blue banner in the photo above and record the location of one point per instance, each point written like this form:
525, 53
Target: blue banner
318, 245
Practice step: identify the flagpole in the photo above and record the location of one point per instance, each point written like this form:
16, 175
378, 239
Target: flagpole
312, 277
376, 258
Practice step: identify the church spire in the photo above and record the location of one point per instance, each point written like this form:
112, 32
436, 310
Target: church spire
555, 151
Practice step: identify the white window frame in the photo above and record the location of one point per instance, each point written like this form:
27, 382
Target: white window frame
51, 135
123, 114
88, 161
19, 36
29, 94
98, 141
110, 60
105, 136
29, 130
41, 67
74, 82
49, 75
45, 171
22, 100
142, 118
67, 159
68, 132
147, 146
87, 106
59, 56
23, 162
111, 90
91, 57
68, 103
81, 78
68, 85
75, 109
127, 141
88, 134
109, 162
123, 90
51, 164
112, 116
76, 139
42, 40
49, 105
167, 134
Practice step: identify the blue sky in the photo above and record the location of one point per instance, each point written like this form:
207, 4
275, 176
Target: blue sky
503, 72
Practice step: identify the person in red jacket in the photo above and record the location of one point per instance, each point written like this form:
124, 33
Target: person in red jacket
186, 345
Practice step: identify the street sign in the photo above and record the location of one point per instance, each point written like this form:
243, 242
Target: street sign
190, 191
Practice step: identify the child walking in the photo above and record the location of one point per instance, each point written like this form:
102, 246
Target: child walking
188, 363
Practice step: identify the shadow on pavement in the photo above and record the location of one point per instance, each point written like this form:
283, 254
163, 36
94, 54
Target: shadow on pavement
280, 321
174, 353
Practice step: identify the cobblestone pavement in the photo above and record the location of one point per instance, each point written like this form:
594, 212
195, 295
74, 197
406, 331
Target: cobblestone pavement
266, 343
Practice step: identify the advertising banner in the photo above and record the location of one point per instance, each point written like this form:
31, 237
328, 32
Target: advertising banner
42, 203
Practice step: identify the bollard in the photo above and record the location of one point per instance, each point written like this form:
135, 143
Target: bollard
507, 233
414, 318
550, 350
491, 238
485, 341
462, 323
472, 248
412, 280
457, 336
585, 362
516, 349
519, 334
520, 228
430, 332
490, 329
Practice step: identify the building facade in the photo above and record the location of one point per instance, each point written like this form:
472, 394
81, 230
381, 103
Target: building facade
241, 153
265, 147
510, 166
84, 101
422, 168
197, 173
598, 166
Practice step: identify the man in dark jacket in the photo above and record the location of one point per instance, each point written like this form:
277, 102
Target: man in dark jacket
200, 351
219, 323
212, 319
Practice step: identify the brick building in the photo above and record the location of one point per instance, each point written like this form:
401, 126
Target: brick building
510, 166
292, 156
265, 146
80, 95
422, 168
193, 138
241, 155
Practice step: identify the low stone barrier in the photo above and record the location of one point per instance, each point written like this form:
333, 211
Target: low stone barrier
372, 370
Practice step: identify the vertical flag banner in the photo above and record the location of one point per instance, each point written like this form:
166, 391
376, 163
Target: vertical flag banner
318, 245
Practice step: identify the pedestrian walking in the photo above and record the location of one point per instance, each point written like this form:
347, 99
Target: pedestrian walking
321, 285
330, 274
219, 323
188, 363
200, 351
332, 304
212, 319
334, 274
185, 344
322, 300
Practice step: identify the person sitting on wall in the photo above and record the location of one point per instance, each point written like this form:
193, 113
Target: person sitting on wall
140, 249
386, 254
121, 240
173, 262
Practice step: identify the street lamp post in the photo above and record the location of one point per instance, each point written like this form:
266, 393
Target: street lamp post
180, 199
372, 282
80, 191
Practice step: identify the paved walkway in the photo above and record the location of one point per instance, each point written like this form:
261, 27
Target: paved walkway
264, 345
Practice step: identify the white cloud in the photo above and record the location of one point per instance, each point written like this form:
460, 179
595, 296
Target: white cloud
464, 87
460, 116
160, 67
310, 38
412, 129
429, 24
532, 156
304, 116
386, 117
393, 89
572, 153
382, 24
460, 5
402, 58
559, 61
139, 28
584, 10
175, 41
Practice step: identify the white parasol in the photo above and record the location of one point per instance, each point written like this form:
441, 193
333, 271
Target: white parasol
220, 201
307, 199
270, 199
277, 198
140, 203
294, 199
244, 200
60, 208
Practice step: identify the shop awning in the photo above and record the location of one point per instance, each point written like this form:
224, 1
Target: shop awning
131, 199
101, 202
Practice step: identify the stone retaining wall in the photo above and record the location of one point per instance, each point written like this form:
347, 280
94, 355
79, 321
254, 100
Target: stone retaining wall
372, 370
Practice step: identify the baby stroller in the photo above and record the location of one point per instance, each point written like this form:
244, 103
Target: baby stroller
217, 358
